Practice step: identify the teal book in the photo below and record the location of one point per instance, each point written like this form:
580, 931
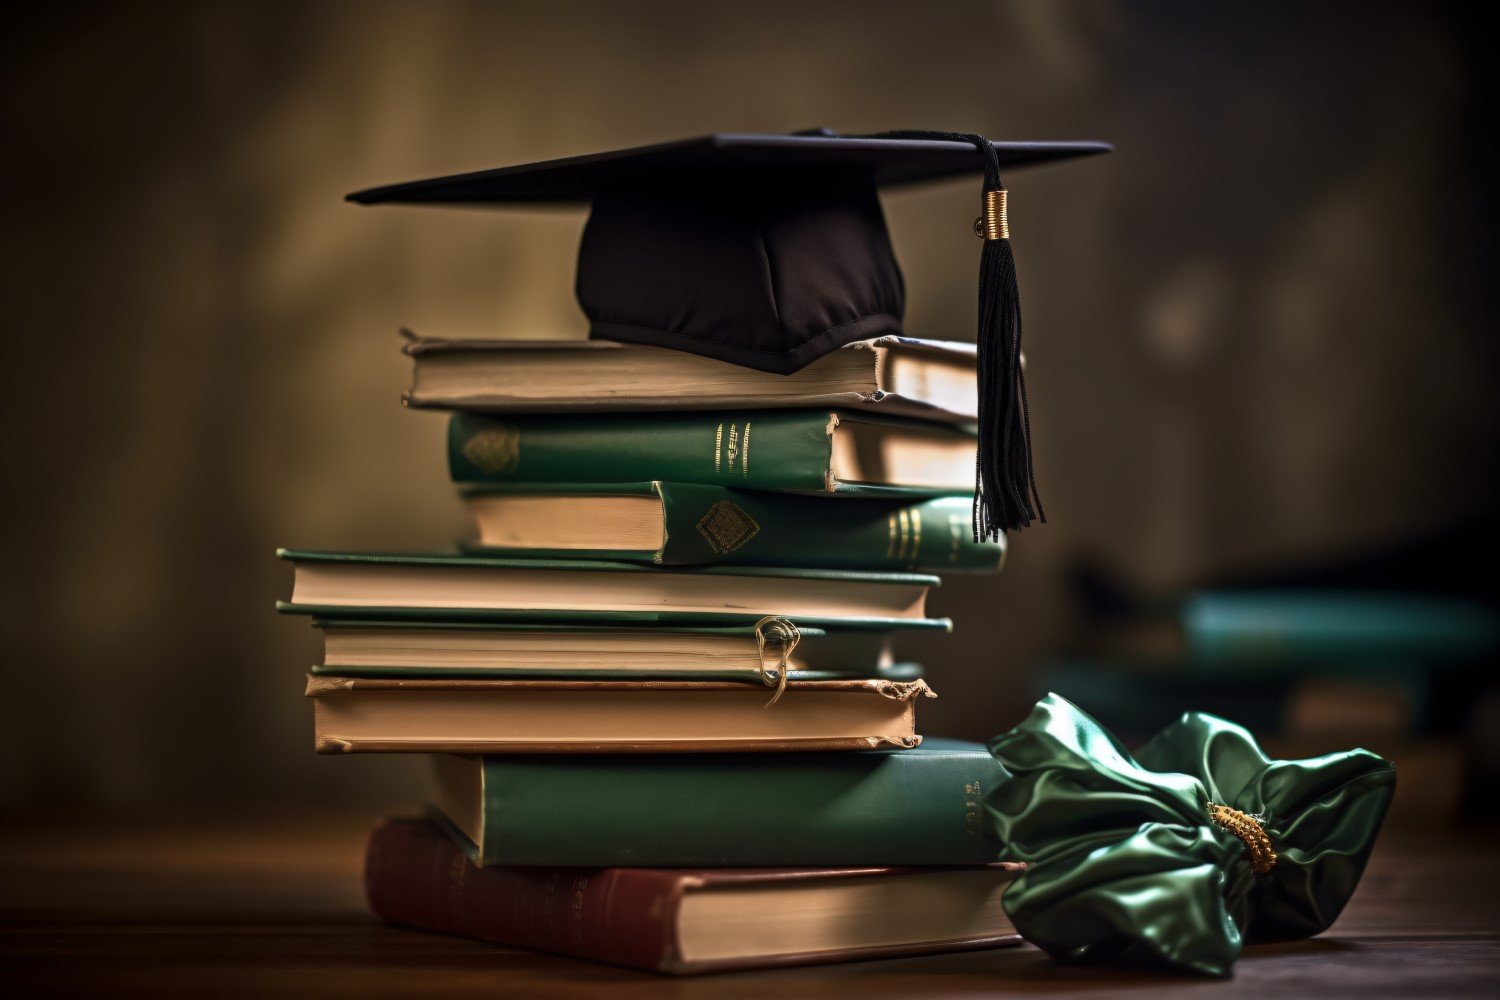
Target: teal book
685, 524
922, 806
1293, 627
441, 587
750, 653
799, 451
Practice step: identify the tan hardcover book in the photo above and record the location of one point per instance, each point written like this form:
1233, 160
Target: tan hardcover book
903, 376
403, 715
334, 583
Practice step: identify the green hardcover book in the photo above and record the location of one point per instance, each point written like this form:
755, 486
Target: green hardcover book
354, 648
693, 524
909, 807
441, 587
799, 451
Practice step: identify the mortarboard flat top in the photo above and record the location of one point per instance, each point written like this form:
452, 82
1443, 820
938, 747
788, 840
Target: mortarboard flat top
887, 161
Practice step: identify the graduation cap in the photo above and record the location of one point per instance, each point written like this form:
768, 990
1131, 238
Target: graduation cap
769, 251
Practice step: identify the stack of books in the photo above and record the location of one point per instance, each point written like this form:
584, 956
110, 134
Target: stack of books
667, 723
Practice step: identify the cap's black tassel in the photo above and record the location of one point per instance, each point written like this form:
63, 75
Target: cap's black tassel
1005, 494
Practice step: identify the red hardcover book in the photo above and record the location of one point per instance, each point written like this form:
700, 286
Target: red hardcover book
681, 920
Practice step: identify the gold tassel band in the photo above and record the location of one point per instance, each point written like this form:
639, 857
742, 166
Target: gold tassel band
993, 224
775, 631
1248, 830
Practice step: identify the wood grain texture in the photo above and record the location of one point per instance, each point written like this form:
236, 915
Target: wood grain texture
268, 905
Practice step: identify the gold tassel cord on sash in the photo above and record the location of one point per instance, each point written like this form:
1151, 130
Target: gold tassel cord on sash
773, 630
1249, 831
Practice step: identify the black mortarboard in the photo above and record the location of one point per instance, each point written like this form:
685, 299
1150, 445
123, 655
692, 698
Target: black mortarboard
770, 250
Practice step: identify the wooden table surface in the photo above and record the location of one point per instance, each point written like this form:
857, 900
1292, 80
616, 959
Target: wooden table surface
272, 905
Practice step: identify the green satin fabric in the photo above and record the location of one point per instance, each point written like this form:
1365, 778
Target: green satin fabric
1123, 865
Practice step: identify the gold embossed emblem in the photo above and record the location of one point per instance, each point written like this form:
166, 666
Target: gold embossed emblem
495, 449
726, 527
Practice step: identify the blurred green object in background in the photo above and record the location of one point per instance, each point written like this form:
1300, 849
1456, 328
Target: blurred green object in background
1269, 627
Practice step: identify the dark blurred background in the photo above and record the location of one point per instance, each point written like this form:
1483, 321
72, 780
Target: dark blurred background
1260, 341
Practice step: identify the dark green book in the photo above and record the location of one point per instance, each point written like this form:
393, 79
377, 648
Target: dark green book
355, 648
693, 524
404, 587
800, 451
908, 807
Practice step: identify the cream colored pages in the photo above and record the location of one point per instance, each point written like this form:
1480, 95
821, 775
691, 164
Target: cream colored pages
798, 917
569, 521
544, 377
458, 791
476, 648
467, 717
460, 648
902, 455
398, 585
948, 385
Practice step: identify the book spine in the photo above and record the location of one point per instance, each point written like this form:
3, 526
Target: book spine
707, 524
766, 809
763, 450
417, 876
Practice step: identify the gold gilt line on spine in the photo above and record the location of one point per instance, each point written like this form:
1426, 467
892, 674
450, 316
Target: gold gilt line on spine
745, 451
718, 445
916, 536
890, 548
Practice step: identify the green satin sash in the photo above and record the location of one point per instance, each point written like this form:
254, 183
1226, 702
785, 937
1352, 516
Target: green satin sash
1124, 865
